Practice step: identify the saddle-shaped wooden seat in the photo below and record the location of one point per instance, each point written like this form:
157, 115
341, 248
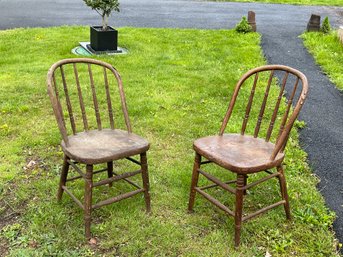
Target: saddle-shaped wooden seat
238, 153
93, 147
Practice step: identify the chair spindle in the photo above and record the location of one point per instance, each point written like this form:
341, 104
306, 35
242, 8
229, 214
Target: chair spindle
69, 106
109, 102
95, 100
82, 106
289, 104
251, 98
277, 106
59, 106
260, 116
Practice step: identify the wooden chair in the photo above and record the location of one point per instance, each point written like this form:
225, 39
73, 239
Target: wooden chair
85, 142
244, 154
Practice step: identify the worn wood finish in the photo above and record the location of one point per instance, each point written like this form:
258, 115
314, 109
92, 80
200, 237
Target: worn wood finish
100, 146
145, 178
129, 181
88, 200
110, 172
248, 108
94, 172
283, 188
217, 181
95, 99
245, 154
79, 91
77, 201
116, 178
69, 105
277, 106
215, 201
215, 185
63, 178
239, 208
83, 145
117, 198
263, 106
252, 215
194, 183
109, 101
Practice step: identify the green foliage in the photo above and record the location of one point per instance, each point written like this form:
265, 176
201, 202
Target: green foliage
328, 53
326, 27
177, 91
299, 124
243, 26
104, 8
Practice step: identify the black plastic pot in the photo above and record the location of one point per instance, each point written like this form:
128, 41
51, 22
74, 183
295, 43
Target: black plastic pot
104, 40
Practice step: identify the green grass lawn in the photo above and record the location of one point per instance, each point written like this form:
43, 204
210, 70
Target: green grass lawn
328, 53
177, 84
297, 2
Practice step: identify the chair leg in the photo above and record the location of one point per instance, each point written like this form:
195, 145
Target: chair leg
145, 178
245, 183
63, 178
283, 188
88, 200
110, 172
194, 183
239, 207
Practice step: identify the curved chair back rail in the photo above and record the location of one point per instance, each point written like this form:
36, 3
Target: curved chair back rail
297, 88
72, 81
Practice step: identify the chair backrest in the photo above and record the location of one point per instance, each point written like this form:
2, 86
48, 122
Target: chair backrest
270, 109
73, 83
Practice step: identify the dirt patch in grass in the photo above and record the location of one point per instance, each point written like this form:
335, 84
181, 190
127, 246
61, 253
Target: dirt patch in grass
10, 212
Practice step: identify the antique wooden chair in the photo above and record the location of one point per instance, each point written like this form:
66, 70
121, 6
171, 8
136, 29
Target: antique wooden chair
72, 83
246, 154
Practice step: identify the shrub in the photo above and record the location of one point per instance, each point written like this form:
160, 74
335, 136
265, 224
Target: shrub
104, 8
326, 27
243, 26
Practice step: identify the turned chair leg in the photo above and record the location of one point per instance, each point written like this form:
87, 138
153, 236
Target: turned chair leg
145, 178
245, 183
88, 200
283, 188
194, 183
110, 172
63, 178
239, 208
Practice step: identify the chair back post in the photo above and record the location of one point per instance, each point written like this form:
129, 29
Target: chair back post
231, 106
283, 139
122, 99
56, 106
234, 97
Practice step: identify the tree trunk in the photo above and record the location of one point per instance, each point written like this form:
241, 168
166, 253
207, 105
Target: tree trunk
104, 25
106, 21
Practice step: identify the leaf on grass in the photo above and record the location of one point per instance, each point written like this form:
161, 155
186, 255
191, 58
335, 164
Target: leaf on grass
268, 254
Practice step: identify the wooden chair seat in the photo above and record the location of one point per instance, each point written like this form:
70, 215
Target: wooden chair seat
238, 153
99, 146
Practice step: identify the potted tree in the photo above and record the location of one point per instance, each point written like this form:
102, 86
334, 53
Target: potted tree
103, 38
